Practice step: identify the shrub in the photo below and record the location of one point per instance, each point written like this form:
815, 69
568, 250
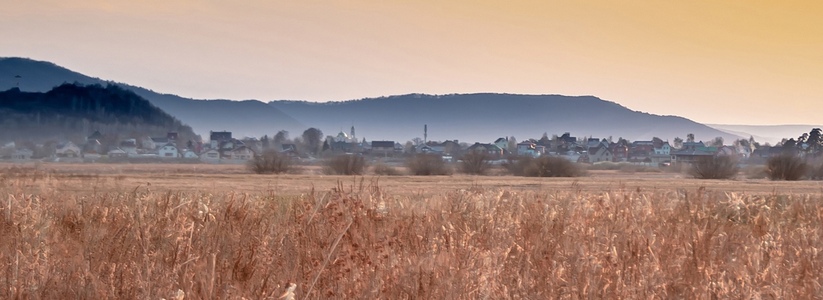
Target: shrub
552, 166
427, 164
270, 162
755, 172
544, 166
516, 165
386, 170
346, 164
714, 167
816, 172
786, 167
475, 162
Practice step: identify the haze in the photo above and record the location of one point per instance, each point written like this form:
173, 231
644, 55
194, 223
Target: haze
743, 62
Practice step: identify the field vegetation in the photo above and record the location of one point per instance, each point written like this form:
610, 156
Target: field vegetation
73, 232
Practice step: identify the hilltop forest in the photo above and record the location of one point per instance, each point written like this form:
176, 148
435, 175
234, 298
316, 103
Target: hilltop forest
74, 111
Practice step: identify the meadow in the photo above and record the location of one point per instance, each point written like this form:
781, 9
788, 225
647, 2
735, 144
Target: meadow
215, 231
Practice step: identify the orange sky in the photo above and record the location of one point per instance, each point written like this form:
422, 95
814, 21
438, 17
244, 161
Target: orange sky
742, 62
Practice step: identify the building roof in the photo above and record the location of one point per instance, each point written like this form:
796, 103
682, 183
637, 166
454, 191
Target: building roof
382, 144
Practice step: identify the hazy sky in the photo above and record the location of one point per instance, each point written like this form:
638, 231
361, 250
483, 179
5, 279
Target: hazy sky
744, 62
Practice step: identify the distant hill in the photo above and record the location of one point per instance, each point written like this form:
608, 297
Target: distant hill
76, 111
767, 133
243, 118
468, 117
484, 117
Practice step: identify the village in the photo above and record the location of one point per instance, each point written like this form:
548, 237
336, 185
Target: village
223, 147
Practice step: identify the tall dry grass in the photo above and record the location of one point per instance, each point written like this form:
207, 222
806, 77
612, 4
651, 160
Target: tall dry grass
359, 241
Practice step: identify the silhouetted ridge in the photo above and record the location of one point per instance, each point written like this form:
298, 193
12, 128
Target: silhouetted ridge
71, 109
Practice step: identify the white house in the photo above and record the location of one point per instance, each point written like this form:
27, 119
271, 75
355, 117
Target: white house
168, 151
241, 153
664, 149
118, 153
210, 155
67, 149
190, 154
22, 154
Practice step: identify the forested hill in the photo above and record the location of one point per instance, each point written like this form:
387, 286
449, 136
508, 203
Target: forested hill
72, 111
243, 118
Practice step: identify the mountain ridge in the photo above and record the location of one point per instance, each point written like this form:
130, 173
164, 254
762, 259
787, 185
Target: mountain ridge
468, 117
531, 110
202, 115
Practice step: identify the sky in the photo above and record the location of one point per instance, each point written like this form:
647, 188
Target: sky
727, 62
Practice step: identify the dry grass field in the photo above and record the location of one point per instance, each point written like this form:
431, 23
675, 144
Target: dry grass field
214, 231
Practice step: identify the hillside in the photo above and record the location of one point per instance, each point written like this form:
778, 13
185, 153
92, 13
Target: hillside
74, 111
484, 117
468, 117
244, 118
767, 133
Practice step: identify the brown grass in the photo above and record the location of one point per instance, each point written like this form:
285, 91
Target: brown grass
359, 239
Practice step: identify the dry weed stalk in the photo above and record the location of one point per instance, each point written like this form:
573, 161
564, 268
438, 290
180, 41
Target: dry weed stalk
359, 241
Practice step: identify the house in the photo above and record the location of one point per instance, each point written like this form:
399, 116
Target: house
21, 154
424, 148
189, 154
641, 151
567, 139
662, 154
118, 153
168, 150
345, 147
288, 149
382, 147
571, 156
528, 148
210, 155
67, 149
599, 153
620, 151
92, 147
502, 143
492, 149
129, 146
692, 145
216, 137
447, 147
691, 155
160, 141
95, 136
763, 153
147, 143
664, 149
240, 153
594, 142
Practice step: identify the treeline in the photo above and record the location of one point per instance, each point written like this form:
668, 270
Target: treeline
72, 110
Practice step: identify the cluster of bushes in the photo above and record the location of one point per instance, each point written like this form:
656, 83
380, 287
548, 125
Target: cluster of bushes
784, 167
346, 164
270, 162
427, 164
714, 167
543, 166
789, 167
475, 163
625, 167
